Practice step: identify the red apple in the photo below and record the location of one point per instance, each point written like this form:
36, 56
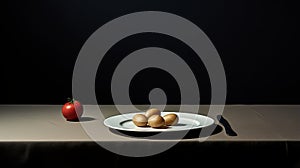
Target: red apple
72, 110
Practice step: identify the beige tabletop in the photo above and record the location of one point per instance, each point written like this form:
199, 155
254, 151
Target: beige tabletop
46, 123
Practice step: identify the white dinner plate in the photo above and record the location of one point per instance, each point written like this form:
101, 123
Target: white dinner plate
187, 121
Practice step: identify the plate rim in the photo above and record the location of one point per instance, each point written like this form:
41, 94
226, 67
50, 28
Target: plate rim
158, 130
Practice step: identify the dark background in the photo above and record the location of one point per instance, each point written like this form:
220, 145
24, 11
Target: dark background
257, 41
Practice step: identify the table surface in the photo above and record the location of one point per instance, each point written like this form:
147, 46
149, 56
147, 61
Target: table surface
46, 123
39, 136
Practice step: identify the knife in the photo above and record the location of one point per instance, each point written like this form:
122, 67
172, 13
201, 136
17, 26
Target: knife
229, 131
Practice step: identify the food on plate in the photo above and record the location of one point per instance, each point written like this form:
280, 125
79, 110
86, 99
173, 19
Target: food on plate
153, 118
140, 120
171, 119
152, 111
156, 121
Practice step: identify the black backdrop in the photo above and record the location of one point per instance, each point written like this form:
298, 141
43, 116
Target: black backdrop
257, 41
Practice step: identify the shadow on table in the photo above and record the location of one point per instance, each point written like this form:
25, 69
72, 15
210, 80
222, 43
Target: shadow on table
83, 119
191, 134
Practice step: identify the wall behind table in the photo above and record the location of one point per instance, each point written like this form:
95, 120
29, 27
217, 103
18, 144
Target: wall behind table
257, 40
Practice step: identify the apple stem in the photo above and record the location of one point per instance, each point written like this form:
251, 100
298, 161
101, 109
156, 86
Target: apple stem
71, 100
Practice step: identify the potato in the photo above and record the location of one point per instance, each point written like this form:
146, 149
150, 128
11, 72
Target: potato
152, 111
140, 120
156, 121
171, 119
